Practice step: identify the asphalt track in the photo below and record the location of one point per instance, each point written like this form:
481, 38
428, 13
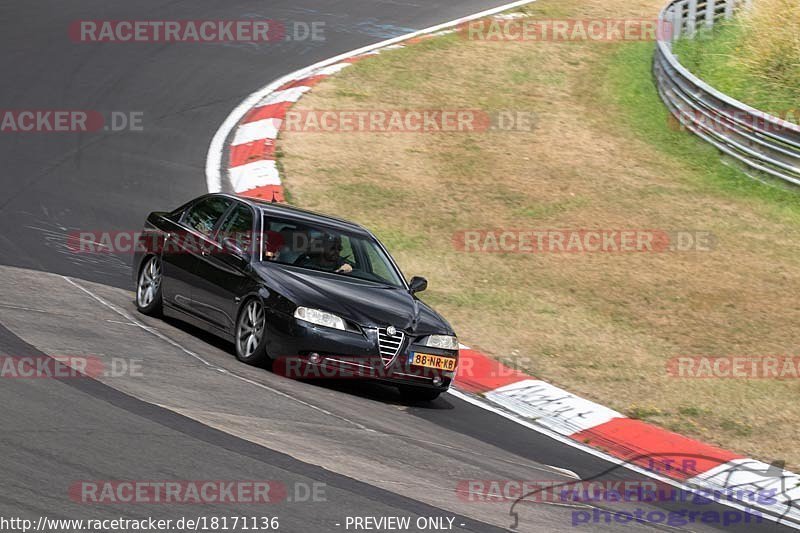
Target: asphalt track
186, 418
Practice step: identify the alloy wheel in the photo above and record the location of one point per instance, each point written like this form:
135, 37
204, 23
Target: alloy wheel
251, 329
149, 283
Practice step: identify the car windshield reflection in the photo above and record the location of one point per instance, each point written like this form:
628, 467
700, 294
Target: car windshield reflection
324, 249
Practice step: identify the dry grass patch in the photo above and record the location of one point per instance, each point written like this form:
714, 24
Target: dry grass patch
755, 57
601, 325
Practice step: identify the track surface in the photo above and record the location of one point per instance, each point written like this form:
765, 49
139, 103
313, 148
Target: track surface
53, 183
184, 419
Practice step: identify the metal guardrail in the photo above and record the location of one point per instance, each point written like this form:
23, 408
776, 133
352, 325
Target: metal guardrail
759, 140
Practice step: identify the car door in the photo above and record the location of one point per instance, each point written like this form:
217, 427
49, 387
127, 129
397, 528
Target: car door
182, 249
223, 276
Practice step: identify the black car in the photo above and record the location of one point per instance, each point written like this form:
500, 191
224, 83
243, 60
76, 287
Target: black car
312, 295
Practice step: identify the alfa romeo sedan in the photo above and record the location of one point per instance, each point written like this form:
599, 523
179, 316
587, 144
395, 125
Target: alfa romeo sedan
311, 295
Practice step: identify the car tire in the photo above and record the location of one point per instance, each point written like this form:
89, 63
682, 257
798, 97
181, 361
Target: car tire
250, 336
148, 287
419, 394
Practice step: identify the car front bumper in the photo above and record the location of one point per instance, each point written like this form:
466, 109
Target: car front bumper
305, 351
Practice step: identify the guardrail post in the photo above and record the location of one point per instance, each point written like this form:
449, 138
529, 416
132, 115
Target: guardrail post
711, 9
678, 19
729, 8
674, 16
691, 19
755, 139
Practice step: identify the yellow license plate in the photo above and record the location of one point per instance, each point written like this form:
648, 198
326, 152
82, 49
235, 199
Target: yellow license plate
434, 361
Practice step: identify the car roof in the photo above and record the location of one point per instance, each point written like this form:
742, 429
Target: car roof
300, 215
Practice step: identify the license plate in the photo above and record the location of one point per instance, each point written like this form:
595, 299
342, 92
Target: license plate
433, 361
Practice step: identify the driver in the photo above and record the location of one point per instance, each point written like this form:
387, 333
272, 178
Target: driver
273, 243
324, 254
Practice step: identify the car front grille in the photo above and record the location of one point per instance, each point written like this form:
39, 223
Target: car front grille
390, 345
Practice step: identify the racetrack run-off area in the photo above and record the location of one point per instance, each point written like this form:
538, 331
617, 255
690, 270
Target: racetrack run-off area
253, 171
127, 420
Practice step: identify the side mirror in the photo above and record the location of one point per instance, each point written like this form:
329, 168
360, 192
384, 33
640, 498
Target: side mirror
232, 247
417, 284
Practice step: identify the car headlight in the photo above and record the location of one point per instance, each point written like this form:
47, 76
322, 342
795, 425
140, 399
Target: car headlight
445, 342
319, 317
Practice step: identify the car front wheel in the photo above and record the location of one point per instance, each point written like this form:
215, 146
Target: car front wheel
251, 330
148, 287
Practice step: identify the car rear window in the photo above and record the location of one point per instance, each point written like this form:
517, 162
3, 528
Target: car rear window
204, 215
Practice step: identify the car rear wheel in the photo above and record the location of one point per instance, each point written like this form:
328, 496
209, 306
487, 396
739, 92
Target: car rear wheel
251, 335
148, 287
419, 394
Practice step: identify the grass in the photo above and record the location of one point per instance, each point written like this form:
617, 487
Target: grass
602, 155
630, 87
754, 58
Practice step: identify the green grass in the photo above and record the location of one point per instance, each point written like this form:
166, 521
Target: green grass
715, 56
629, 84
595, 325
547, 210
644, 413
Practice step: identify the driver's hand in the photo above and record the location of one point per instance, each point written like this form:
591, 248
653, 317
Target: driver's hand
345, 268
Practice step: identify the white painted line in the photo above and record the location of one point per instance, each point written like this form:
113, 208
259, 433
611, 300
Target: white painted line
332, 69
601, 455
214, 160
133, 320
551, 407
221, 370
390, 47
255, 174
539, 429
761, 480
511, 16
257, 131
214, 170
301, 402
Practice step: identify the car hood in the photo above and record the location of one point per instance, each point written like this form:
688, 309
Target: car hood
363, 302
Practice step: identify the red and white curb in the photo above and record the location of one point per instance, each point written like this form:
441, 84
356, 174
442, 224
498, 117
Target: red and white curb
255, 147
635, 444
251, 167
242, 159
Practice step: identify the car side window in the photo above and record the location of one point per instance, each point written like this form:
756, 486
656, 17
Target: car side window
203, 215
347, 250
379, 265
238, 226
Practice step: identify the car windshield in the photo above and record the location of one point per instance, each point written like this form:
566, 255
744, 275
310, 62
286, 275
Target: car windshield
321, 248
